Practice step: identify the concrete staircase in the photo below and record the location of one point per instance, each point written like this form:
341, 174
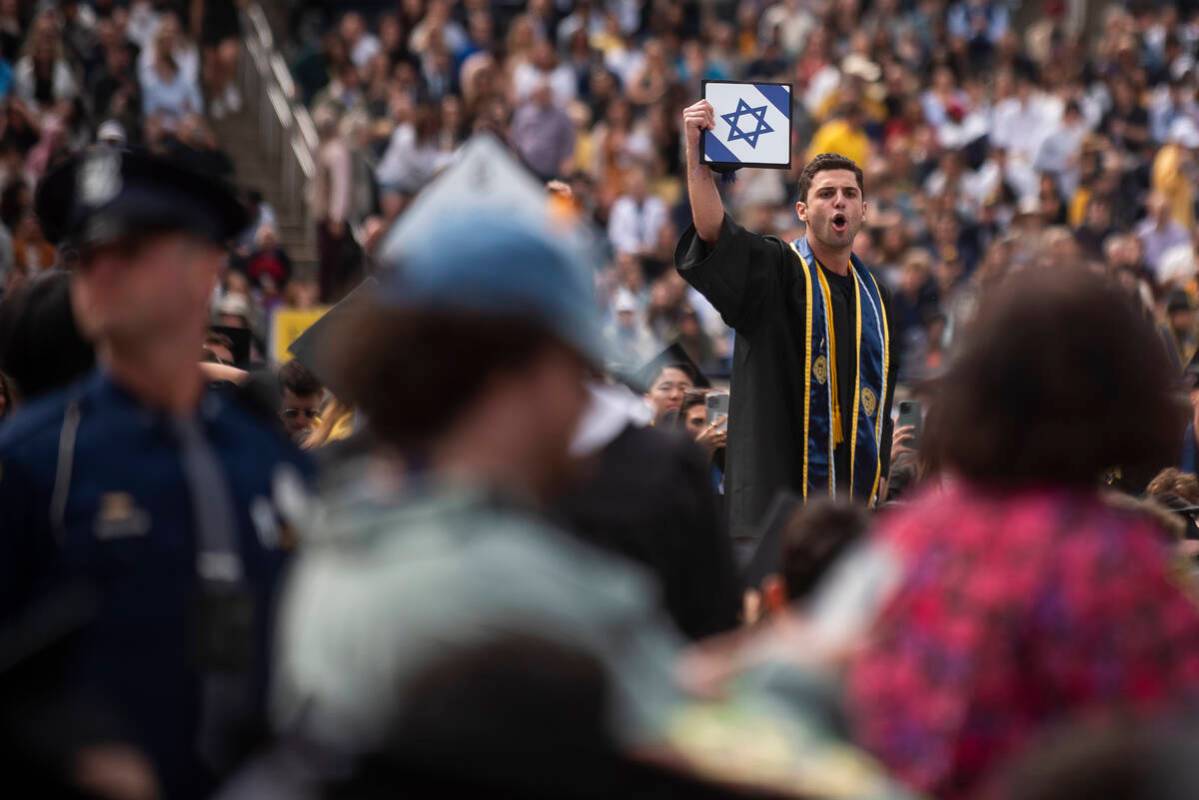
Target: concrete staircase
238, 136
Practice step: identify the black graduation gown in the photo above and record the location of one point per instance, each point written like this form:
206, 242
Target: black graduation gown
648, 497
756, 284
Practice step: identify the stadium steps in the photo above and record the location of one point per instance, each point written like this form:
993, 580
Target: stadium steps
238, 134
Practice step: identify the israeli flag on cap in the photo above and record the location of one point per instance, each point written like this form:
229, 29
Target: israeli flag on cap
753, 125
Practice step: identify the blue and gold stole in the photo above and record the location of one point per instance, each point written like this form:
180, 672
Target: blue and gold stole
873, 350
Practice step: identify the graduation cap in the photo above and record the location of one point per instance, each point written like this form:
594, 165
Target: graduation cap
673, 356
104, 194
41, 348
485, 177
311, 348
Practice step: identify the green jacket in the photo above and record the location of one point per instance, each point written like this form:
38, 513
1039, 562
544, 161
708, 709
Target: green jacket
383, 588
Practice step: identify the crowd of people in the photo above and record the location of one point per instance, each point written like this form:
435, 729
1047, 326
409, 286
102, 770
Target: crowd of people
984, 145
146, 75
498, 525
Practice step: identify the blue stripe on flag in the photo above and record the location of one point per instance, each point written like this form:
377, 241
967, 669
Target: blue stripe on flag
778, 96
714, 150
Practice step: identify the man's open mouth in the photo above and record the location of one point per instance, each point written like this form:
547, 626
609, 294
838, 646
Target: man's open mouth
839, 223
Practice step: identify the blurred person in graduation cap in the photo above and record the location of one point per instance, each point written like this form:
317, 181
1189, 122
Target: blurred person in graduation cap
41, 348
142, 482
470, 361
668, 378
646, 493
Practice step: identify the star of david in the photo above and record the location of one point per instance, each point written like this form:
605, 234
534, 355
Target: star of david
734, 120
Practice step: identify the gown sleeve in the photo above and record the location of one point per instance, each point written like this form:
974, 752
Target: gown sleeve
736, 274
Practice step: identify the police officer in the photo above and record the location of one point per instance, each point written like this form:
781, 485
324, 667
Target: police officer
143, 481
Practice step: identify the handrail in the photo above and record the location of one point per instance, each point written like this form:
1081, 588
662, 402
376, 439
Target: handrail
307, 130
284, 125
283, 76
261, 27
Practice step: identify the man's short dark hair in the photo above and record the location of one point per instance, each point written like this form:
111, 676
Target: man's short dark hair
824, 162
692, 399
814, 538
294, 377
413, 372
1060, 379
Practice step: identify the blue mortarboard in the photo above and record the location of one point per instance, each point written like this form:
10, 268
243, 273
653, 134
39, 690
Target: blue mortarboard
104, 194
492, 263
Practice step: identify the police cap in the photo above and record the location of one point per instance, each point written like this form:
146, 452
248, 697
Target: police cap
104, 194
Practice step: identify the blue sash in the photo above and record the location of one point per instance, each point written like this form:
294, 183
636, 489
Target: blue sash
873, 348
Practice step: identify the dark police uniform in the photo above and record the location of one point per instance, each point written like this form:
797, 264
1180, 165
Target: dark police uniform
174, 520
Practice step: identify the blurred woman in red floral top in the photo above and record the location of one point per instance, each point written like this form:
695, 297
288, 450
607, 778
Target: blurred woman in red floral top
1023, 599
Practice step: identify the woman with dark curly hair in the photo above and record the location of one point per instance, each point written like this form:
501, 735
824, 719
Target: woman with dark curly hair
1021, 597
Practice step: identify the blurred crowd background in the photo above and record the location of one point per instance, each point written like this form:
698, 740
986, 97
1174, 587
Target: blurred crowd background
986, 145
992, 134
995, 137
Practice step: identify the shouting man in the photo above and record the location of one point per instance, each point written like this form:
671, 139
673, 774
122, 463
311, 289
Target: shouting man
813, 366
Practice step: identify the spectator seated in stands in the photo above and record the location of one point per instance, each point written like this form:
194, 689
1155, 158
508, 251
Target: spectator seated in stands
543, 133
167, 91
302, 395
268, 266
44, 79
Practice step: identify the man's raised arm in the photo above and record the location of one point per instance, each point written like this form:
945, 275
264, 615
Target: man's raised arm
707, 210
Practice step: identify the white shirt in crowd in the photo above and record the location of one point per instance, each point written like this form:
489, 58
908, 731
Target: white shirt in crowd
1021, 127
793, 21
823, 84
526, 78
407, 167
1059, 155
187, 59
624, 61
172, 100
634, 226
143, 23
366, 48
63, 83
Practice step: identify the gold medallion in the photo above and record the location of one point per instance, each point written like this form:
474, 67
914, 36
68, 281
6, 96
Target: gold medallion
869, 401
820, 369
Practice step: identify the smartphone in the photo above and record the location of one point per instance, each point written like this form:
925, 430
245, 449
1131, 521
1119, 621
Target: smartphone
718, 406
911, 414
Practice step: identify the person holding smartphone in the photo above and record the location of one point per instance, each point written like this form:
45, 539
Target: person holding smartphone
811, 410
